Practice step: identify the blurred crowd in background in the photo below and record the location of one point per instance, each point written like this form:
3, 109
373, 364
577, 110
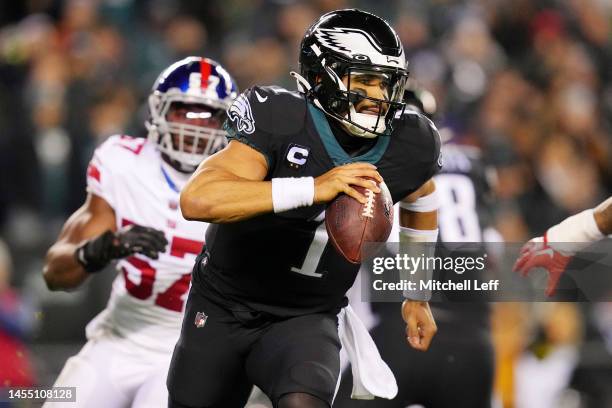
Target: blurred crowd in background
529, 82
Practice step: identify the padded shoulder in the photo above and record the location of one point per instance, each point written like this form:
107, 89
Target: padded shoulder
264, 116
121, 151
420, 133
270, 109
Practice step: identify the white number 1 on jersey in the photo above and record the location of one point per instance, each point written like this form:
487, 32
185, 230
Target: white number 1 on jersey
313, 256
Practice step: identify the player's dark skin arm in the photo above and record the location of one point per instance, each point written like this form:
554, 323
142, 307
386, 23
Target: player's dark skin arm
61, 270
420, 324
229, 187
603, 216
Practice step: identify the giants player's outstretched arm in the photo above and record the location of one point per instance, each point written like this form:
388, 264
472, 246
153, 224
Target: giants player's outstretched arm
603, 216
89, 241
62, 270
419, 223
565, 240
229, 187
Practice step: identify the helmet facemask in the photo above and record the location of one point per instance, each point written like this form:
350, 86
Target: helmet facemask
343, 100
367, 99
186, 144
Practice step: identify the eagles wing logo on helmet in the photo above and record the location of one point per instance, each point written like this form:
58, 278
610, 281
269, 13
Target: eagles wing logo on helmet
350, 42
240, 113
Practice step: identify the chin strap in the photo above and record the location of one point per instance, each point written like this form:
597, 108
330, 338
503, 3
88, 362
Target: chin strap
358, 131
304, 87
302, 84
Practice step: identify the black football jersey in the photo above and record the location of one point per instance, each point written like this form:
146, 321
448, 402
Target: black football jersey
283, 264
463, 186
466, 206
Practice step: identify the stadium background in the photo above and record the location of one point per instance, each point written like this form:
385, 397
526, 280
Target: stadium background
529, 82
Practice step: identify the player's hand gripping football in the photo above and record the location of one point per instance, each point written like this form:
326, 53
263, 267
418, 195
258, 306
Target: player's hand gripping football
340, 179
96, 253
538, 254
420, 324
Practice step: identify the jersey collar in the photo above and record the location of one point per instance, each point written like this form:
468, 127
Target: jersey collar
333, 148
174, 178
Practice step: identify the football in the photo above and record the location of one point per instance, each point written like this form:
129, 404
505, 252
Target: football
351, 224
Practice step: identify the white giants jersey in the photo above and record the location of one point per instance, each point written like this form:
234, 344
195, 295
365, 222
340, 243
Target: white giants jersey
148, 295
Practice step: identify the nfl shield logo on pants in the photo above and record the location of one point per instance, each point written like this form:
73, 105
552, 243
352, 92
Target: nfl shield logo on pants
200, 319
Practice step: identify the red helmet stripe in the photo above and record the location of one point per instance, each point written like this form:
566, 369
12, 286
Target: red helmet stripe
205, 69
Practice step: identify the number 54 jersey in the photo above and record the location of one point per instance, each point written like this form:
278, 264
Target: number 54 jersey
148, 295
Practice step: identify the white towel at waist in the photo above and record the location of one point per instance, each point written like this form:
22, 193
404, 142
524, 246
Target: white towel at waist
372, 377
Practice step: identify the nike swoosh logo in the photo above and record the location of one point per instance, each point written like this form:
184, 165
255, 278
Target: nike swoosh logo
260, 98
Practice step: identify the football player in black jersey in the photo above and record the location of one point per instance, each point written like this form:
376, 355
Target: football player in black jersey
267, 290
458, 369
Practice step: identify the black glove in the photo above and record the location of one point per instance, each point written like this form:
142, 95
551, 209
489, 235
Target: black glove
96, 253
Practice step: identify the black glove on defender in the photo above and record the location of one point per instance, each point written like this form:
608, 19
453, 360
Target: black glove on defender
96, 253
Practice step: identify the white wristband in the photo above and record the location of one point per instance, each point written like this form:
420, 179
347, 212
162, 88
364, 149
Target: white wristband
419, 243
289, 193
430, 202
574, 233
415, 235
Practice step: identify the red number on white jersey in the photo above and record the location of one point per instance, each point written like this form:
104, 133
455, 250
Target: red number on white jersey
133, 144
171, 298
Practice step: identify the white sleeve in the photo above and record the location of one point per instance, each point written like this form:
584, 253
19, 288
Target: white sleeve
574, 233
418, 243
100, 173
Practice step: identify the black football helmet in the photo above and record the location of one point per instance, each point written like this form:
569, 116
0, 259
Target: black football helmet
356, 46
